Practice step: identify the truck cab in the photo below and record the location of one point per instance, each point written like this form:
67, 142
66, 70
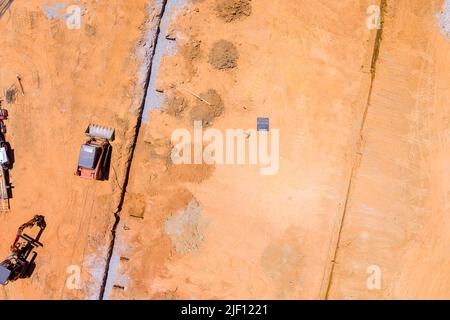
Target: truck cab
95, 154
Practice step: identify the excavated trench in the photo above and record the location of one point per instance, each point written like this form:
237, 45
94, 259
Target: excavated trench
150, 100
152, 37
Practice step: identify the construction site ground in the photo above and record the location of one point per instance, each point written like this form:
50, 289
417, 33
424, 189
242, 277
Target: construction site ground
364, 148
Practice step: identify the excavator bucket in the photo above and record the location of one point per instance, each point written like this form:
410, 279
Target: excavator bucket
99, 132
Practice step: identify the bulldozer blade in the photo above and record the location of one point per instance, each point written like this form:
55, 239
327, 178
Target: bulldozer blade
95, 131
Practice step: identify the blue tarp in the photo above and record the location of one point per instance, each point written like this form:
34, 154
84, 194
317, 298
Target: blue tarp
263, 124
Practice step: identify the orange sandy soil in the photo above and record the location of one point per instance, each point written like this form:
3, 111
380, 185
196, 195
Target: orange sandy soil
71, 78
226, 231
398, 217
364, 161
363, 152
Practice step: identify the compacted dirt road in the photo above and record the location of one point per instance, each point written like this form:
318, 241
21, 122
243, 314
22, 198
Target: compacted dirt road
353, 207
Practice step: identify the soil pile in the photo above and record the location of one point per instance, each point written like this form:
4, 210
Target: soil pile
192, 50
223, 55
207, 111
444, 18
174, 103
231, 10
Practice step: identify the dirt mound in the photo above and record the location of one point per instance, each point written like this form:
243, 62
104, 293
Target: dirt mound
207, 109
10, 95
231, 10
192, 50
223, 55
174, 103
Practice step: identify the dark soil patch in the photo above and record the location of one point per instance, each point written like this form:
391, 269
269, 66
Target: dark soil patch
205, 112
174, 103
231, 10
223, 55
10, 95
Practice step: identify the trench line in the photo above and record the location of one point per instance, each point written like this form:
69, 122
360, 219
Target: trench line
131, 155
